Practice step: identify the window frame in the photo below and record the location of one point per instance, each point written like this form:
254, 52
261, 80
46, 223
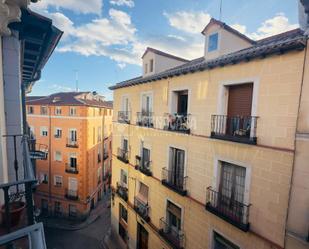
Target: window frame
210, 50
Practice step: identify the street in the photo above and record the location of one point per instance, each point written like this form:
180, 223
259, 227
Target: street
90, 237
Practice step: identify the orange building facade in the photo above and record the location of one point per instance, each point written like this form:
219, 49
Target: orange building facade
76, 127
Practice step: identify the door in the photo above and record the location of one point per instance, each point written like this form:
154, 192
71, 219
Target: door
142, 237
232, 189
182, 103
73, 135
177, 161
239, 108
146, 104
125, 145
73, 186
145, 158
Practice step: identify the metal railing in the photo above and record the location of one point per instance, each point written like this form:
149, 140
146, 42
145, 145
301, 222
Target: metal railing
234, 128
143, 166
174, 236
122, 191
71, 194
141, 208
123, 155
230, 210
144, 119
124, 117
71, 169
174, 181
178, 122
71, 143
37, 151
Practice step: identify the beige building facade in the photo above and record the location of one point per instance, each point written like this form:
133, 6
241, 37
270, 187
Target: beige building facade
204, 153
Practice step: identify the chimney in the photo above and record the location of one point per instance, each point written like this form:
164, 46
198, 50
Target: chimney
303, 11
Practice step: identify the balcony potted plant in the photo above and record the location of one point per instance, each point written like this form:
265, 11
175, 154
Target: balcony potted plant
16, 207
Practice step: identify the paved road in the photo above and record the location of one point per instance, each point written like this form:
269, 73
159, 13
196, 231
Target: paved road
88, 238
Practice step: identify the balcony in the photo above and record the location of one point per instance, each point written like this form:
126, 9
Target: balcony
123, 155
177, 122
37, 151
144, 119
142, 209
143, 166
172, 235
230, 210
71, 143
174, 182
70, 169
71, 194
237, 129
124, 117
122, 191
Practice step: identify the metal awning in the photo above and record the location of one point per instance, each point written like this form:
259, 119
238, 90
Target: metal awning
38, 38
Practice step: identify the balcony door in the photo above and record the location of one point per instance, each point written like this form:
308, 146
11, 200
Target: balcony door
176, 167
232, 189
73, 186
142, 237
182, 102
239, 108
173, 218
145, 157
125, 145
146, 104
73, 135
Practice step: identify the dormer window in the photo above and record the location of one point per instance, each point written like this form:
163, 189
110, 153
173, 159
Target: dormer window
146, 68
213, 42
151, 66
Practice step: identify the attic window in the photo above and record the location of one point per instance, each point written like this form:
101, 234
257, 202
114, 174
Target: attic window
146, 68
213, 42
151, 65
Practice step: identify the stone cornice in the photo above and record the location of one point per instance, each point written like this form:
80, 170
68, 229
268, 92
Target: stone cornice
10, 12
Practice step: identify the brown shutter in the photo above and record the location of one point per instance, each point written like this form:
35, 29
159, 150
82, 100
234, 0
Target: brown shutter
240, 100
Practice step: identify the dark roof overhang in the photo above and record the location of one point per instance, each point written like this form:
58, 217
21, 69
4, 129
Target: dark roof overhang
38, 39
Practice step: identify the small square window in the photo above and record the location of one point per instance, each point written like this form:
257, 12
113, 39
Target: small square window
213, 42
58, 110
58, 133
43, 110
44, 131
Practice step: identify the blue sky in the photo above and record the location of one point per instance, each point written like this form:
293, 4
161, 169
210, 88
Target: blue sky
104, 39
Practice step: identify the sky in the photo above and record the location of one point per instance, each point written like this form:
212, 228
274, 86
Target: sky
104, 40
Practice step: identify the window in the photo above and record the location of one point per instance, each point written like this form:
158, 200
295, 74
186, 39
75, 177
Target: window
44, 131
58, 156
44, 178
123, 233
32, 132
123, 177
57, 110
222, 243
58, 181
72, 111
44, 206
73, 160
43, 110
213, 42
30, 110
176, 167
174, 216
72, 210
123, 213
73, 135
58, 133
73, 186
142, 194
57, 207
146, 68
99, 174
151, 65
146, 103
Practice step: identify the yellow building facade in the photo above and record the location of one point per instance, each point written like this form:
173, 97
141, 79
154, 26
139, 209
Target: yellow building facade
204, 152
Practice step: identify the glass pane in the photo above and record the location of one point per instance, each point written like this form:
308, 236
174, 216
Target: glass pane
213, 42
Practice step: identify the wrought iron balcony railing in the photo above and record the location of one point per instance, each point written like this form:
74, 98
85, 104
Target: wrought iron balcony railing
230, 210
122, 191
172, 235
178, 122
234, 128
144, 119
123, 155
71, 169
37, 151
143, 166
124, 117
141, 208
174, 181
71, 194
71, 143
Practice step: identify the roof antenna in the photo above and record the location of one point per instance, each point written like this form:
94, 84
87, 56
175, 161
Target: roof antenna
220, 17
76, 79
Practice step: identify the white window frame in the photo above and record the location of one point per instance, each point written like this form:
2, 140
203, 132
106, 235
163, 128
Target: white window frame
186, 157
150, 94
43, 129
55, 156
151, 65
212, 241
55, 180
41, 107
178, 205
58, 110
126, 173
70, 138
217, 175
72, 111
219, 43
173, 102
56, 131
72, 155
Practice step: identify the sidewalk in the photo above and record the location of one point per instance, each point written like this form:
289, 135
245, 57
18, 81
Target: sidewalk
71, 225
110, 242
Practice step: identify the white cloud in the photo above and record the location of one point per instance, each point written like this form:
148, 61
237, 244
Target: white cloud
191, 22
60, 88
121, 65
78, 6
273, 26
128, 3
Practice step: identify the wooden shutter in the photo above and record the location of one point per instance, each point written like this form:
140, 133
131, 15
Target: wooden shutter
240, 100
